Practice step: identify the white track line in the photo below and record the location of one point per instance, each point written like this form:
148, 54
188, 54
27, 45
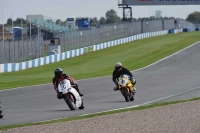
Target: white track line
168, 56
131, 106
150, 101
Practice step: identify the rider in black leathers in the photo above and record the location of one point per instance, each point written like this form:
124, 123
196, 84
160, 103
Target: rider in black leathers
119, 70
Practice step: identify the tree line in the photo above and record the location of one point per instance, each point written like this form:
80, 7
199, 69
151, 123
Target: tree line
110, 17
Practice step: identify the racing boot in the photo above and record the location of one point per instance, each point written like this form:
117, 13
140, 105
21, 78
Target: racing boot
80, 94
134, 90
133, 81
115, 88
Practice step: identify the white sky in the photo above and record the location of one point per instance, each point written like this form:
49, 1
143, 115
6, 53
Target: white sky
62, 9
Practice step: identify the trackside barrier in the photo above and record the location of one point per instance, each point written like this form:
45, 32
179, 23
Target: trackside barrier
174, 31
12, 67
189, 29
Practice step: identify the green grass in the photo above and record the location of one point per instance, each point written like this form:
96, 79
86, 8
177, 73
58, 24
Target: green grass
99, 114
132, 55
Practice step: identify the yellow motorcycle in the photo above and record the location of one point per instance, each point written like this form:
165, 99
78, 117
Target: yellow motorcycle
126, 87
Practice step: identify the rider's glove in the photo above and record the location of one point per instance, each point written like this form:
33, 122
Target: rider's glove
133, 81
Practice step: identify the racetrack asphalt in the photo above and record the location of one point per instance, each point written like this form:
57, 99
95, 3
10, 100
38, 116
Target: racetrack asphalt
173, 78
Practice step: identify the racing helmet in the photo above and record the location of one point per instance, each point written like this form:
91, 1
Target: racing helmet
58, 72
118, 66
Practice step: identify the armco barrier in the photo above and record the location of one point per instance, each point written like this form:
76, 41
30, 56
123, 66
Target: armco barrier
11, 67
189, 29
172, 31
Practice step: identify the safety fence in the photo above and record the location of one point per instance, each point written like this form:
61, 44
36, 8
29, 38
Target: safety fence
77, 38
27, 48
19, 50
11, 67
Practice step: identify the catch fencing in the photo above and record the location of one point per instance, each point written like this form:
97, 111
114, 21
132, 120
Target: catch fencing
78, 38
20, 50
24, 49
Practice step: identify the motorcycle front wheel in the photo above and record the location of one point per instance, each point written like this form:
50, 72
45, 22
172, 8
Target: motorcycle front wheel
70, 102
125, 93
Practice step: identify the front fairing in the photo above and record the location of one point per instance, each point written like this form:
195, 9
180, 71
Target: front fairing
64, 86
124, 82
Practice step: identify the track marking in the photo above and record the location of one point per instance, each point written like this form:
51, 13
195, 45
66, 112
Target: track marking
146, 103
143, 104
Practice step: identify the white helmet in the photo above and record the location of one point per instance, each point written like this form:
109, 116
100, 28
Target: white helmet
118, 66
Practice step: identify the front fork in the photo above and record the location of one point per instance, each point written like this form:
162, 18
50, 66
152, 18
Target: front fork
71, 96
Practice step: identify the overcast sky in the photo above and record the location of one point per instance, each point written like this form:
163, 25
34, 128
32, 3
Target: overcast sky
62, 9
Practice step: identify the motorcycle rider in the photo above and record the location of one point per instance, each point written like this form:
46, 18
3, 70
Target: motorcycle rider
119, 70
60, 76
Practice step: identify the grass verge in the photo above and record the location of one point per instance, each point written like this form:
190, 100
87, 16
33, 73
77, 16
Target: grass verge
99, 114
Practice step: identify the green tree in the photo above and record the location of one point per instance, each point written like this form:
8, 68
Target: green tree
49, 21
9, 21
152, 17
94, 21
102, 20
112, 17
76, 21
17, 21
194, 17
58, 21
